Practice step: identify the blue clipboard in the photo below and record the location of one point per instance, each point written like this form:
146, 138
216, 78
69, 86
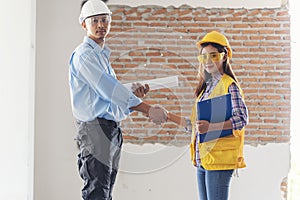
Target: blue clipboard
214, 110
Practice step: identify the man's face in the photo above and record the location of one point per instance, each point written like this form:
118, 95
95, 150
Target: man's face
97, 27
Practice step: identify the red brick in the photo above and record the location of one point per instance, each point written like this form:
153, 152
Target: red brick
165, 42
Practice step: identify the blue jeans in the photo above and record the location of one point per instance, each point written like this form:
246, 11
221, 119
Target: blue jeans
213, 184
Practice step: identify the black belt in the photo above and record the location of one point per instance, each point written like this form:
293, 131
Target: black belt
107, 122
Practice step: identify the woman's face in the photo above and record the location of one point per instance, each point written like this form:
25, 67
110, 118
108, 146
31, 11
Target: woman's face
211, 60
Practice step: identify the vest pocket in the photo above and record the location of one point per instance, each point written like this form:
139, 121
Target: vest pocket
224, 157
222, 152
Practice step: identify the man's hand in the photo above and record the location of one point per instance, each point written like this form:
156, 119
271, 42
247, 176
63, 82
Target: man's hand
140, 90
158, 114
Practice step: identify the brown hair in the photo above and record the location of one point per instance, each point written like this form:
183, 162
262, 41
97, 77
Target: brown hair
204, 76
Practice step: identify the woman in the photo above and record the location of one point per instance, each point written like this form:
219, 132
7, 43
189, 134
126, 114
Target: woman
216, 159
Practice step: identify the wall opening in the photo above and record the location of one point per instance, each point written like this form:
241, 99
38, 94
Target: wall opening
294, 175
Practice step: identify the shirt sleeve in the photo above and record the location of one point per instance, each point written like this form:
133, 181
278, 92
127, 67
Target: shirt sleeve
239, 117
107, 87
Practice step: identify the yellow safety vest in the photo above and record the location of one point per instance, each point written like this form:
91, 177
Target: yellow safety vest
223, 153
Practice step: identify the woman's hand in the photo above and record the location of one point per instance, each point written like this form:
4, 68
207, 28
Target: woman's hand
202, 126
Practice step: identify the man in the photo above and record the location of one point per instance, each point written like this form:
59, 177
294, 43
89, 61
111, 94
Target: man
99, 103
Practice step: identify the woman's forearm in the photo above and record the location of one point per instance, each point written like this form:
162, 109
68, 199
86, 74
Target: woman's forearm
177, 119
220, 125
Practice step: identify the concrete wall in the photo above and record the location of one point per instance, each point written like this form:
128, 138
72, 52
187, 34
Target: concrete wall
17, 53
56, 175
174, 177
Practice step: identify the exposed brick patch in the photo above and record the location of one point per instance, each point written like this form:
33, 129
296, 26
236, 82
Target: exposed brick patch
152, 42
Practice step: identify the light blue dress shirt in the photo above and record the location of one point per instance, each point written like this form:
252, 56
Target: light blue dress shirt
95, 91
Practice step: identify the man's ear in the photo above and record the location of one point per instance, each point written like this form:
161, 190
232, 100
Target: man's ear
83, 24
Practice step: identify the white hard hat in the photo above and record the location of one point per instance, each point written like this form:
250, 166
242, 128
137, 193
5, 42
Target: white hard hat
92, 8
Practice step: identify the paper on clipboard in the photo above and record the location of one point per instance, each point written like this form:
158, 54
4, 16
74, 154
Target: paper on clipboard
157, 83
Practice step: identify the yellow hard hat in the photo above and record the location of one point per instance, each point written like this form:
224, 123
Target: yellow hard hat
216, 37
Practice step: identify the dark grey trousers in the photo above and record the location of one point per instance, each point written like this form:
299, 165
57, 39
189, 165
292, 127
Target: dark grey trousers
100, 143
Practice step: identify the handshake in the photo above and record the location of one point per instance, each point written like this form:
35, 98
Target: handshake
158, 114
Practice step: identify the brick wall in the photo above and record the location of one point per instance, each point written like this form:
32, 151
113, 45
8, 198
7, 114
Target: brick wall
152, 42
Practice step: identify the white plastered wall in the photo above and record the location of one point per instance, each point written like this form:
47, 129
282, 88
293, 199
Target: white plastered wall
17, 49
176, 179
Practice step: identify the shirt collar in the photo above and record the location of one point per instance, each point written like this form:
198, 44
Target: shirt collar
215, 78
105, 50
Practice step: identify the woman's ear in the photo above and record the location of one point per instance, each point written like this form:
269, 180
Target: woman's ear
225, 57
225, 60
